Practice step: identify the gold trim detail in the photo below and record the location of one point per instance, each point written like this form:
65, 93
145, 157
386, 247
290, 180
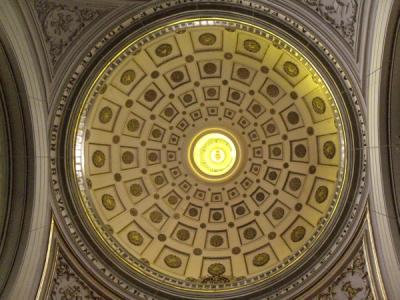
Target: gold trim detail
170, 103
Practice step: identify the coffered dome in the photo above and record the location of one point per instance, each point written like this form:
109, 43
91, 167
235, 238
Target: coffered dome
210, 154
199, 149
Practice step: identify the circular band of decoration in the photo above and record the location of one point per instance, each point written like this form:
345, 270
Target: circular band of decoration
188, 105
214, 154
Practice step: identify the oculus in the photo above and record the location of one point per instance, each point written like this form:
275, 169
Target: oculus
214, 154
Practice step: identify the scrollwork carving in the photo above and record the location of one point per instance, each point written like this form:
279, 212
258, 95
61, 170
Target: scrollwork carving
341, 14
67, 284
61, 24
352, 283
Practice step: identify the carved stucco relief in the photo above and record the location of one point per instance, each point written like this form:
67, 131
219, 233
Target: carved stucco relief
67, 284
329, 298
341, 14
353, 283
62, 23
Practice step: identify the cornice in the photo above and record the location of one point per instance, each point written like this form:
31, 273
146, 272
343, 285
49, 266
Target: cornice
354, 276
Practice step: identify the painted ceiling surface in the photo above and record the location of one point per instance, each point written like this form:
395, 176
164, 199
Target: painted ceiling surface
139, 188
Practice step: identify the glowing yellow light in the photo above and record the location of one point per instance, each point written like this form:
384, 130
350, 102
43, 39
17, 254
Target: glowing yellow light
214, 154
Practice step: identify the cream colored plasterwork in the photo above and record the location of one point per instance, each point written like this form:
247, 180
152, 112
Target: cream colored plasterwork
143, 197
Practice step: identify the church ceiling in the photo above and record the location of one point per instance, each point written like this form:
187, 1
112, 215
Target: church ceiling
62, 23
67, 279
208, 154
167, 195
202, 149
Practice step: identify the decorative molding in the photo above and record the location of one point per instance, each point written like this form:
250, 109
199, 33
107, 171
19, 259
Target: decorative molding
64, 277
62, 23
353, 283
68, 222
343, 15
67, 284
23, 214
